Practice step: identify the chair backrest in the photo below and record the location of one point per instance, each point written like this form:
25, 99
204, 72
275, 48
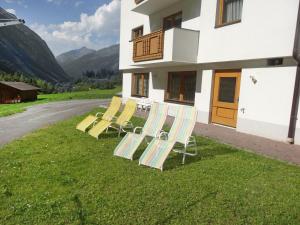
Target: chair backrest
113, 108
183, 124
129, 110
156, 119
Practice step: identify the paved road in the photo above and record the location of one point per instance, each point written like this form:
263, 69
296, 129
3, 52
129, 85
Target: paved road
35, 117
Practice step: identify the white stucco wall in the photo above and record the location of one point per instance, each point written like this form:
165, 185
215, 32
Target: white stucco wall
266, 104
158, 85
129, 21
264, 107
204, 95
267, 30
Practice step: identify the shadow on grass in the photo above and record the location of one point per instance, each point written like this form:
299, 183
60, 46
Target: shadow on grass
37, 100
188, 207
41, 99
111, 134
205, 152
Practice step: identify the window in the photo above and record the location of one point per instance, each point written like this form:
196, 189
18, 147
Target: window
229, 12
140, 84
137, 32
181, 87
172, 21
227, 89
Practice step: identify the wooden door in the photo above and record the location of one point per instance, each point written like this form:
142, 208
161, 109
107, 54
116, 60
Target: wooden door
226, 97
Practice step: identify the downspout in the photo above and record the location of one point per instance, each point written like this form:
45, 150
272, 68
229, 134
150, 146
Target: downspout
296, 95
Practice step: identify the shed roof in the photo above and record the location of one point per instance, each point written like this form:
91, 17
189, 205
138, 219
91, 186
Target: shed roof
20, 86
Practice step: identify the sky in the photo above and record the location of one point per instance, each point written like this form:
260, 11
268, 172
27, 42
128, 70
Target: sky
70, 24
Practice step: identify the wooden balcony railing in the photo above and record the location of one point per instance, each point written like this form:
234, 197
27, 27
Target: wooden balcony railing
148, 47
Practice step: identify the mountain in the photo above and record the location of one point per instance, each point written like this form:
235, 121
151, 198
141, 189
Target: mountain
106, 58
73, 55
22, 50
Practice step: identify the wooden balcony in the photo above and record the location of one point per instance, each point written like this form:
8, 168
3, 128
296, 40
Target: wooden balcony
148, 47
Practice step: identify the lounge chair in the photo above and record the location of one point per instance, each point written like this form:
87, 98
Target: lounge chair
152, 128
107, 116
120, 124
181, 131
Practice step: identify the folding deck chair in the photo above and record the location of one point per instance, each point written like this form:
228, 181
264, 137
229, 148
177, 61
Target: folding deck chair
181, 131
152, 128
120, 124
107, 116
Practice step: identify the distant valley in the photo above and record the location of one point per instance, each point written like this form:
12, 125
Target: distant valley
77, 62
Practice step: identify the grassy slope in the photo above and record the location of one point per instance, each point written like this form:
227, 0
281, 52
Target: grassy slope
9, 109
61, 176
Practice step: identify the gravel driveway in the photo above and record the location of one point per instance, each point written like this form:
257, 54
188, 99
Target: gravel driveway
38, 116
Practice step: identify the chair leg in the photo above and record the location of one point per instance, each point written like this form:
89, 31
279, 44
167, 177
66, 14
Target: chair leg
120, 129
183, 157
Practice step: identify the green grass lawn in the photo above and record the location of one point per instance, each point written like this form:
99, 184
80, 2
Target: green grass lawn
59, 175
9, 109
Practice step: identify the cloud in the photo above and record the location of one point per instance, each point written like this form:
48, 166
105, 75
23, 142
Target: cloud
57, 2
12, 11
78, 3
19, 2
95, 31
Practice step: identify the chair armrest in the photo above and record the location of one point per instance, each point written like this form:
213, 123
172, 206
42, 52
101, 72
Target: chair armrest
113, 118
158, 133
96, 121
190, 139
136, 129
127, 123
99, 114
164, 135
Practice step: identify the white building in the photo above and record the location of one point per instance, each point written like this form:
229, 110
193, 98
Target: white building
236, 61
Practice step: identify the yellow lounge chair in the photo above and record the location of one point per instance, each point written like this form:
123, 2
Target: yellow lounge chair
107, 116
121, 123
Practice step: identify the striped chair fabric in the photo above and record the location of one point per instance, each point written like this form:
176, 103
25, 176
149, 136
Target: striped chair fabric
182, 128
130, 143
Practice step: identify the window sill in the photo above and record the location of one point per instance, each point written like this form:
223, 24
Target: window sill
227, 24
139, 96
180, 102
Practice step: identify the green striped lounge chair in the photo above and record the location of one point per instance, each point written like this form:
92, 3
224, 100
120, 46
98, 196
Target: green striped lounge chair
180, 134
152, 128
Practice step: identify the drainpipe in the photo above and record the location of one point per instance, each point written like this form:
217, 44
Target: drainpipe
296, 95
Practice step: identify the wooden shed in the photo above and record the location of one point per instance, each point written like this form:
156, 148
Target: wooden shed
13, 92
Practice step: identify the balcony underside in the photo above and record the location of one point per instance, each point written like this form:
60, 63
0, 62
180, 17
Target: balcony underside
148, 7
161, 63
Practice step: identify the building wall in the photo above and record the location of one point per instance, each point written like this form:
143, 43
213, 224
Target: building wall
129, 21
267, 30
158, 85
30, 95
7, 94
265, 107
